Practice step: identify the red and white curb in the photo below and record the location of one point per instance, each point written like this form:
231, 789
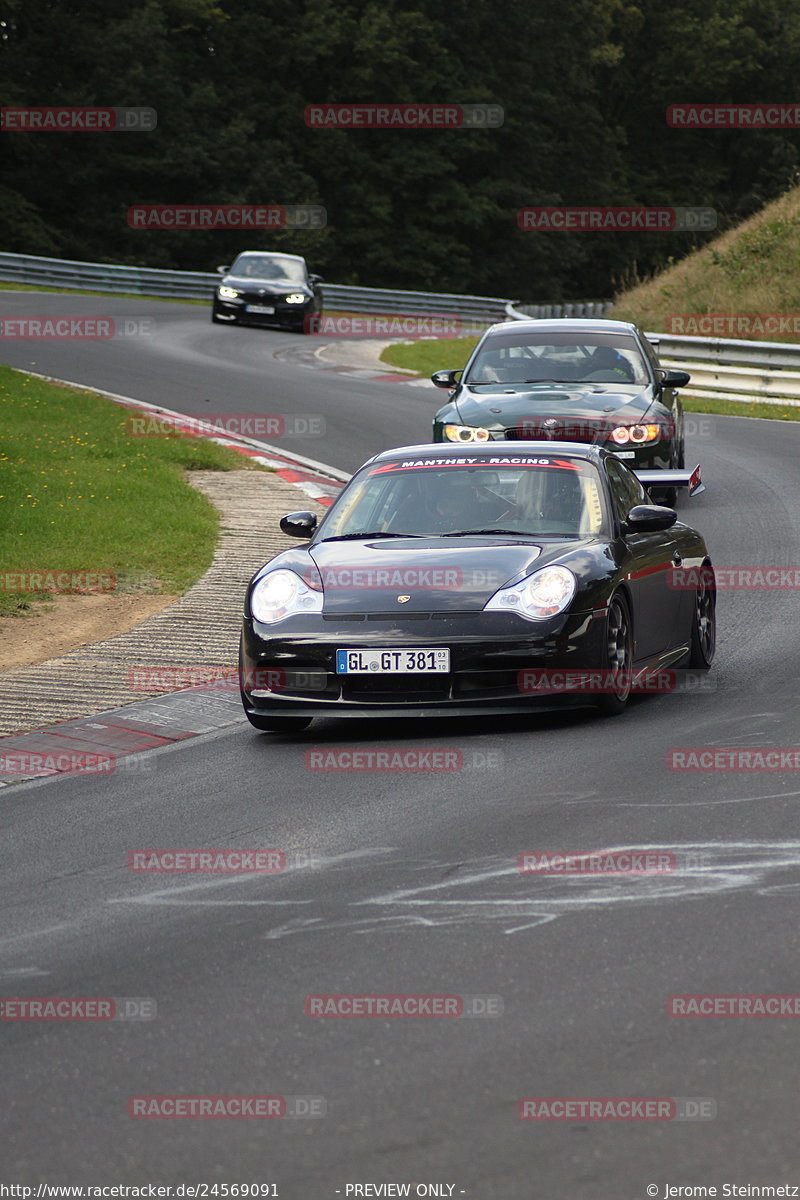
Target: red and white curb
318, 480
113, 742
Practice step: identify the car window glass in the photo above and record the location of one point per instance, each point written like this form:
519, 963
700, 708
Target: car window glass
546, 498
590, 356
626, 491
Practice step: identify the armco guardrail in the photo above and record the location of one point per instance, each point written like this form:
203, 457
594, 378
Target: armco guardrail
581, 308
721, 368
152, 281
725, 367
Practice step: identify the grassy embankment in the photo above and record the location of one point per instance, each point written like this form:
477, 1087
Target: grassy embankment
79, 493
754, 268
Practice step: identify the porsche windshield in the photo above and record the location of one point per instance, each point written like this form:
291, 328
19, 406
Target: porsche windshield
534, 497
276, 267
569, 357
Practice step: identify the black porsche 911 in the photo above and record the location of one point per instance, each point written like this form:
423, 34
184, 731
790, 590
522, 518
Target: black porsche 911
442, 576
264, 288
575, 380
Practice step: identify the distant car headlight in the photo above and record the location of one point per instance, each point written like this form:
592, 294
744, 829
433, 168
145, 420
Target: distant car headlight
466, 433
282, 594
638, 434
226, 293
543, 594
296, 298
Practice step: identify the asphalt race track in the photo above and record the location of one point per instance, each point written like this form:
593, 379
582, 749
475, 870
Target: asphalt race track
406, 882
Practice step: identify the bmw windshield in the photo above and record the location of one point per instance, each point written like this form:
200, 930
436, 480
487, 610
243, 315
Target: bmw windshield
276, 268
553, 357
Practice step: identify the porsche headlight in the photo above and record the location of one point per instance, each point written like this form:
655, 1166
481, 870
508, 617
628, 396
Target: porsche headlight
227, 293
544, 594
466, 433
296, 298
638, 434
283, 594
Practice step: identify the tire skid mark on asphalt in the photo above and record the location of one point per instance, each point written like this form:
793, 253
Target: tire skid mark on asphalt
172, 895
733, 866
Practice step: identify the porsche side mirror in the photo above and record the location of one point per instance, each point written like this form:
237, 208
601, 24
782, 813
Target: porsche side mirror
446, 379
299, 524
675, 378
649, 518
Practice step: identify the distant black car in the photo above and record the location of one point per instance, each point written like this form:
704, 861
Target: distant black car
268, 289
443, 576
575, 380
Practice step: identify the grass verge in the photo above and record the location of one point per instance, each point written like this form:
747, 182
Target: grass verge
15, 286
78, 493
739, 408
430, 354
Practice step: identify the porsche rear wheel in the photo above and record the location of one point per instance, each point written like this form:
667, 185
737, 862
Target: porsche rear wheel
619, 657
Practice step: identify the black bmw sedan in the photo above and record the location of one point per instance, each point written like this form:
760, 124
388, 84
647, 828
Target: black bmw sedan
577, 380
457, 579
268, 289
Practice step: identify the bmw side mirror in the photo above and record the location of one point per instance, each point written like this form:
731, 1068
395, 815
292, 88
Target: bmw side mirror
316, 279
675, 378
446, 379
223, 270
299, 524
649, 518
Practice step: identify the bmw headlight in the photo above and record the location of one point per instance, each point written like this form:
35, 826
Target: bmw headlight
466, 433
296, 298
227, 293
544, 594
638, 434
283, 594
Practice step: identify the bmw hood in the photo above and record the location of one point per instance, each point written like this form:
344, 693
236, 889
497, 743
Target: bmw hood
270, 287
435, 574
601, 406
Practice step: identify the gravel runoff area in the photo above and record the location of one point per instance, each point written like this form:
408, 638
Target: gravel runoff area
198, 632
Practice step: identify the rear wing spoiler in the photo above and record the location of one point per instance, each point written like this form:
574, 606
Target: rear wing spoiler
658, 479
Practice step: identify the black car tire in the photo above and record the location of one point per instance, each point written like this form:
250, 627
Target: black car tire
704, 622
619, 655
279, 724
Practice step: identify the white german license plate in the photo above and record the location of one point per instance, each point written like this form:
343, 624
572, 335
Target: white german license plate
624, 453
392, 662
259, 308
